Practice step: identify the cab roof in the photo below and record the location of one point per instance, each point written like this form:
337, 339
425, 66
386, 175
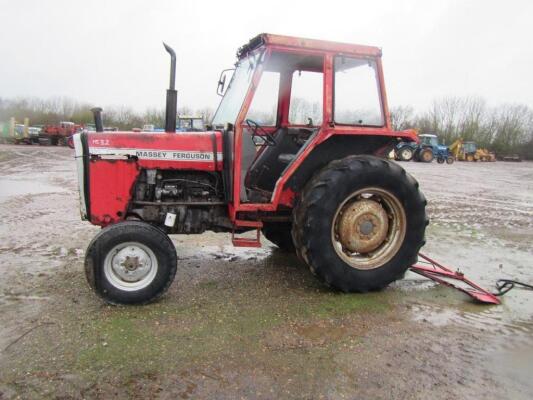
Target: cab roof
291, 42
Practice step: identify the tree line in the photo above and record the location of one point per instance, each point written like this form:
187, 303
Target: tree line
53, 110
505, 129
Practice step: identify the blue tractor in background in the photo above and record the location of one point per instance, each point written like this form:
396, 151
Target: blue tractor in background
425, 151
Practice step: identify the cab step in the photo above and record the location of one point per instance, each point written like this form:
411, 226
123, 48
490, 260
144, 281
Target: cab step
247, 242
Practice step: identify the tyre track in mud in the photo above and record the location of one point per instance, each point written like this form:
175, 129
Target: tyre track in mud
40, 230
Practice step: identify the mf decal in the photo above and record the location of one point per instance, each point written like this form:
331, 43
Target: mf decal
154, 154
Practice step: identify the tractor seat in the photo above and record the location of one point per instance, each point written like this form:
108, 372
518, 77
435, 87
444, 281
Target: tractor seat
272, 160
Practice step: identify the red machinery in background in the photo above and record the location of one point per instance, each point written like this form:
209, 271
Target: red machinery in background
60, 134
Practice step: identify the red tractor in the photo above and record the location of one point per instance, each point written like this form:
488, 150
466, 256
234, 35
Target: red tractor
296, 149
60, 134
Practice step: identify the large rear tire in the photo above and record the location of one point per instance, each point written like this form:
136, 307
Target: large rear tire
360, 223
279, 234
426, 155
405, 153
130, 262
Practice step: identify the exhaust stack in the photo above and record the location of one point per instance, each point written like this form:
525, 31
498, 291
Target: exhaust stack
172, 94
97, 113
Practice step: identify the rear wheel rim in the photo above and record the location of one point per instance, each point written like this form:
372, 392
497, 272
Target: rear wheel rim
406, 154
130, 266
368, 228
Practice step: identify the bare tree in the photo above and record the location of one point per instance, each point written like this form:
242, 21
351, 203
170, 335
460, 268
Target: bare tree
402, 117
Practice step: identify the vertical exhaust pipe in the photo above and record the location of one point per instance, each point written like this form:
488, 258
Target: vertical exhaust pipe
97, 114
172, 94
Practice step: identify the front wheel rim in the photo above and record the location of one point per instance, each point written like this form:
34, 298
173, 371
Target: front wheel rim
368, 228
130, 266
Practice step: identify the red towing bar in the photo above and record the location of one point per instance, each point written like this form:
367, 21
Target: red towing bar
439, 273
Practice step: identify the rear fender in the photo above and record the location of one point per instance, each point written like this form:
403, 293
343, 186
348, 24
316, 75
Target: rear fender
336, 147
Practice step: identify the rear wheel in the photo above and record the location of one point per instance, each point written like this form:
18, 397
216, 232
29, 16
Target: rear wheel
360, 223
130, 263
426, 155
280, 235
405, 153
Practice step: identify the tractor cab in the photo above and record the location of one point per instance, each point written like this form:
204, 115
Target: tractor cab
429, 140
286, 96
469, 147
188, 123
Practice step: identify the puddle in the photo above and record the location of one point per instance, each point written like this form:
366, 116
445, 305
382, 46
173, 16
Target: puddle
494, 319
221, 252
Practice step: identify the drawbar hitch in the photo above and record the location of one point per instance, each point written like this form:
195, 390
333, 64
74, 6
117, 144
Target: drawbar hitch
439, 273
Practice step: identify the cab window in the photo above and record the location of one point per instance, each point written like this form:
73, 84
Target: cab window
356, 92
306, 98
264, 106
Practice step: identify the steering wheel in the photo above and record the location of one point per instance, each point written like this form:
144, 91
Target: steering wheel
268, 137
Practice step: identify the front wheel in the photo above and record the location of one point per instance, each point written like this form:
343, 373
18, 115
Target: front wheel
450, 160
360, 223
440, 160
130, 262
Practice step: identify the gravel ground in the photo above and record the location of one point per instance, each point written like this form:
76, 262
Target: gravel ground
254, 323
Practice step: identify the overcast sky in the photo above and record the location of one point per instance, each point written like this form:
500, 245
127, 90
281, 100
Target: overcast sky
110, 52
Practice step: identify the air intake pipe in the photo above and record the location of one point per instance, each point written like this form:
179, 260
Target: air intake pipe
97, 114
172, 94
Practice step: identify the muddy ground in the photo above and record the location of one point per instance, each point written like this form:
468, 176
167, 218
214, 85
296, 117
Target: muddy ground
255, 323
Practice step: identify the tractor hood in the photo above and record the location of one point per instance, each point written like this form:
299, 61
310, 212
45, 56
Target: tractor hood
110, 163
184, 150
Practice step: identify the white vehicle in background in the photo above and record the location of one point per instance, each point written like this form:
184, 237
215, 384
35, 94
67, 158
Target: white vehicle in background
188, 123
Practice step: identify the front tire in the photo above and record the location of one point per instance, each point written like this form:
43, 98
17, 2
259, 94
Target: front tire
130, 262
360, 223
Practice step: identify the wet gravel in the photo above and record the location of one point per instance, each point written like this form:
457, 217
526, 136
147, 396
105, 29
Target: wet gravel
254, 323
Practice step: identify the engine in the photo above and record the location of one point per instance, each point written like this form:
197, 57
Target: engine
181, 201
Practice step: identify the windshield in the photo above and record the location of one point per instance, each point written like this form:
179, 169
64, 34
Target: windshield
232, 101
430, 140
470, 147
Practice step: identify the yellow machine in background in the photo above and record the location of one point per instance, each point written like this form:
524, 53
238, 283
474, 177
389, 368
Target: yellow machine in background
468, 151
